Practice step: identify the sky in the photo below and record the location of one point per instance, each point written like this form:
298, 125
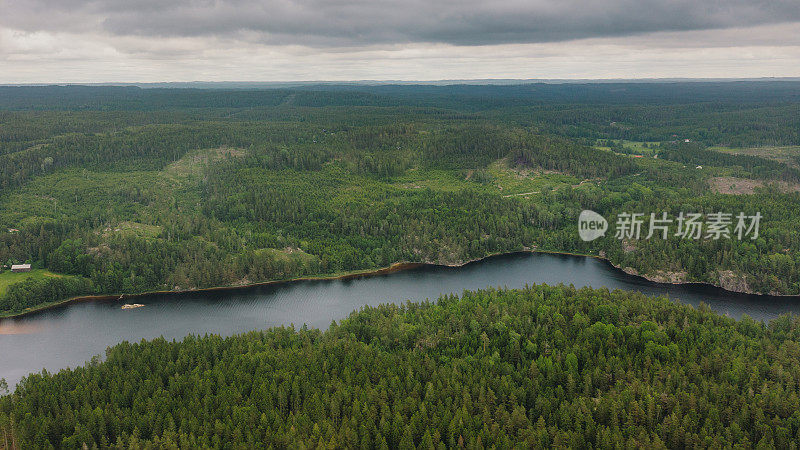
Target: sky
107, 41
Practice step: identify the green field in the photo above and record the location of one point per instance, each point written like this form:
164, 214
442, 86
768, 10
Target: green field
498, 178
8, 277
630, 147
789, 155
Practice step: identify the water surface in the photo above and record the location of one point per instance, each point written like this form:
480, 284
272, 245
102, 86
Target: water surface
69, 335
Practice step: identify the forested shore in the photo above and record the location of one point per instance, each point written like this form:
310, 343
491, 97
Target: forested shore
397, 267
537, 367
127, 190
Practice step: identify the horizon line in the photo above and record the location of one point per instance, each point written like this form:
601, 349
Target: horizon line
446, 81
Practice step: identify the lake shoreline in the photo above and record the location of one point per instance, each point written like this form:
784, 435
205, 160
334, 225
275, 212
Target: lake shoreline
395, 267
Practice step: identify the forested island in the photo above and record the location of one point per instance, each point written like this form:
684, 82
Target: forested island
540, 367
114, 190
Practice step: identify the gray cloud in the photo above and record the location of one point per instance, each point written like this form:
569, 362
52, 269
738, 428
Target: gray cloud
343, 23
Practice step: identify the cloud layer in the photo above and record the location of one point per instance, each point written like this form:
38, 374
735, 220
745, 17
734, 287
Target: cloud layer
271, 40
326, 23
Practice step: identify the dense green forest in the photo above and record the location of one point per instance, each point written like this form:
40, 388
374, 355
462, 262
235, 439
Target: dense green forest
127, 190
540, 367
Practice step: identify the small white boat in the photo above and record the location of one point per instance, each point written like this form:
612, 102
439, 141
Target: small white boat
132, 306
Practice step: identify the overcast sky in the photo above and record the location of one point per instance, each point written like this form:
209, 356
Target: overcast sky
287, 40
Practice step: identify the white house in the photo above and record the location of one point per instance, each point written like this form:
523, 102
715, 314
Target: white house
21, 268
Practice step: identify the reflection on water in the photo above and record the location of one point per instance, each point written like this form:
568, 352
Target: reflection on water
18, 327
69, 335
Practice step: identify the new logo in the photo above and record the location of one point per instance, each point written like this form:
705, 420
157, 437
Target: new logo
591, 225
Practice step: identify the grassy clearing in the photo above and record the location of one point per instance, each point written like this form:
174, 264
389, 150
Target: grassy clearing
509, 180
136, 197
434, 179
128, 204
744, 186
87, 195
789, 155
192, 163
499, 178
133, 229
8, 277
631, 147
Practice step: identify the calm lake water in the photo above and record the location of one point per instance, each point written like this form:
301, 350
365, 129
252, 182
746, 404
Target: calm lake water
70, 335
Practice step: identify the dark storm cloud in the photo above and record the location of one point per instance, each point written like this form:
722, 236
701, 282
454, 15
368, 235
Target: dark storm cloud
364, 22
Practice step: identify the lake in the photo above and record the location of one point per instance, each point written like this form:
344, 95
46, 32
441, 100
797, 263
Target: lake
69, 335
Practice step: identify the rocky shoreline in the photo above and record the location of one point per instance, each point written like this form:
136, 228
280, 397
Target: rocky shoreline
728, 280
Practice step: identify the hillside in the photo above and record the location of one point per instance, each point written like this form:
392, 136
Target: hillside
131, 190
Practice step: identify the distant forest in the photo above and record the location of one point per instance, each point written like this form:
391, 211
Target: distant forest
122, 189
